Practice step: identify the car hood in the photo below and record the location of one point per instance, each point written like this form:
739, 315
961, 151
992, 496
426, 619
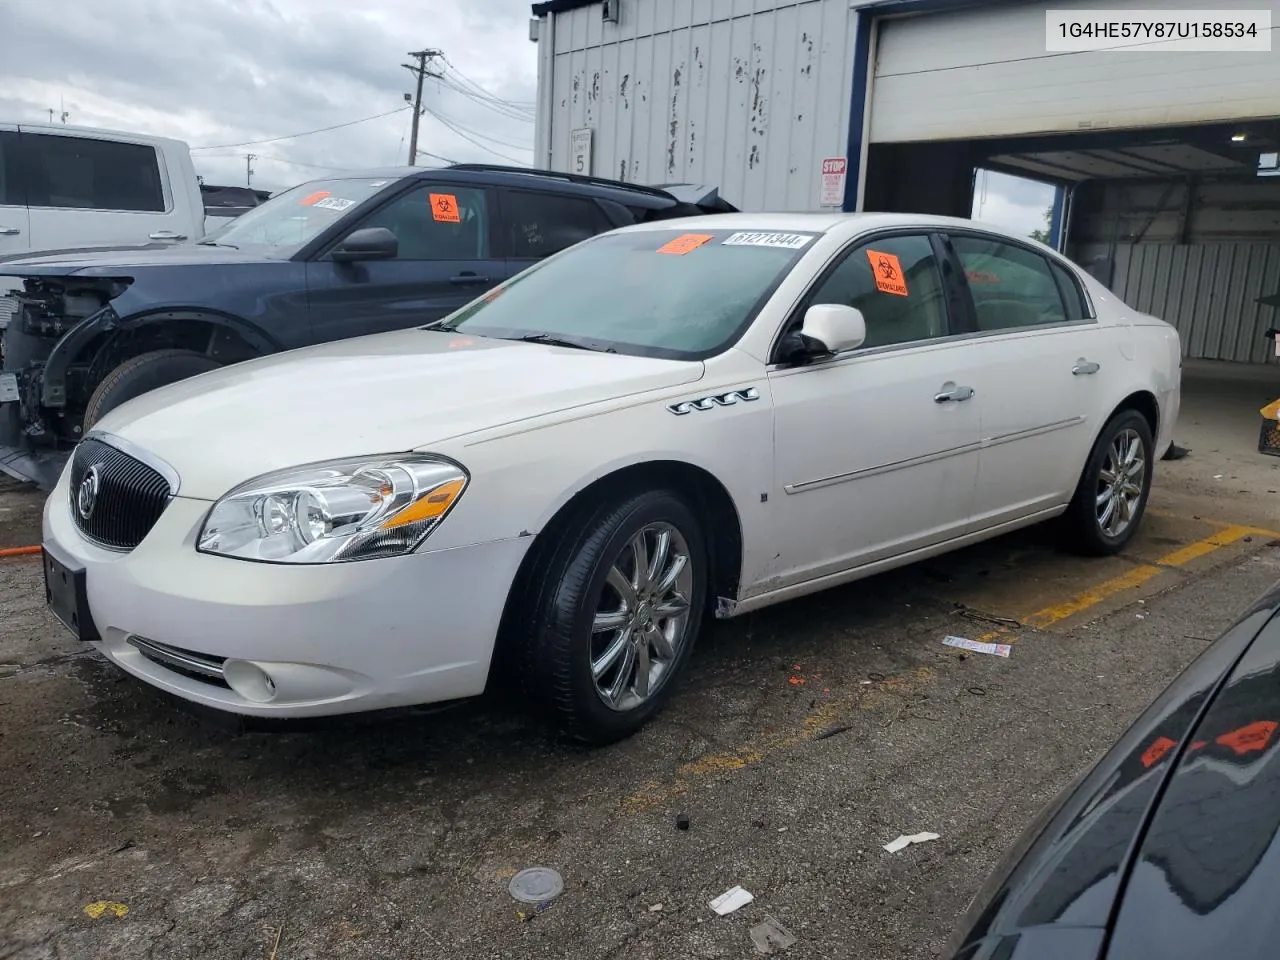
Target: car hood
111, 261
368, 396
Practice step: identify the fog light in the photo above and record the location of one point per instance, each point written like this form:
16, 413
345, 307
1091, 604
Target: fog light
249, 680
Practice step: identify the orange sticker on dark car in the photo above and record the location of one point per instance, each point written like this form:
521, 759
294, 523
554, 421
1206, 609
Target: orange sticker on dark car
313, 198
887, 270
444, 208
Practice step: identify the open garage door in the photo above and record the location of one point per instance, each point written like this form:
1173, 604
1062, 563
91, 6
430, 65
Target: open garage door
985, 72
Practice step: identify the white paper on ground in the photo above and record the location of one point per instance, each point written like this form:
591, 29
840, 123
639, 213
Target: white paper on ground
731, 900
996, 649
906, 840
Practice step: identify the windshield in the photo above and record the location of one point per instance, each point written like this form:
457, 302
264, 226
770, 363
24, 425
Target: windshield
663, 293
290, 220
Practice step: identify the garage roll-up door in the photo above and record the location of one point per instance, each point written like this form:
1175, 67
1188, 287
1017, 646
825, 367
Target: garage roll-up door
984, 72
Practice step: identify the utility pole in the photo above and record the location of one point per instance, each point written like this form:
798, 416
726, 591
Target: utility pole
248, 168
421, 71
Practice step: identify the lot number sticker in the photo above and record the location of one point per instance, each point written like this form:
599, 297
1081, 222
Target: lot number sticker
887, 270
788, 241
444, 208
334, 203
684, 243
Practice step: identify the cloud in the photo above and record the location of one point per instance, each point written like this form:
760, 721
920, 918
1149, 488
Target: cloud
1015, 203
228, 71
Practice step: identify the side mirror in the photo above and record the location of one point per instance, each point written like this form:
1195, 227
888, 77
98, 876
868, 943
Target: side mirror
371, 243
834, 327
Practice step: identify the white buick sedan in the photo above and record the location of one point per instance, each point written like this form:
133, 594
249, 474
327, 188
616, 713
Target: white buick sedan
564, 479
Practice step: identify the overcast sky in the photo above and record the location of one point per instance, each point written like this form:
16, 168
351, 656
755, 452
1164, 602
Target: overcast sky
215, 72
222, 72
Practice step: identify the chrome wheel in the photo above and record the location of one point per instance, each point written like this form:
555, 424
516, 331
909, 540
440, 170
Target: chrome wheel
642, 617
1121, 482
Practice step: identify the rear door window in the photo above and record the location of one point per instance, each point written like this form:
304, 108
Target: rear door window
88, 174
1012, 286
11, 192
540, 224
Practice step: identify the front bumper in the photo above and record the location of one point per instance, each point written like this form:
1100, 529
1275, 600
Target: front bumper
331, 638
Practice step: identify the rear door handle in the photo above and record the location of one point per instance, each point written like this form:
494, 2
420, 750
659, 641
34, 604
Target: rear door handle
464, 279
9, 231
951, 393
167, 235
1084, 367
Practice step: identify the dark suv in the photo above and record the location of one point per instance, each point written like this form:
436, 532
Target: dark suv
330, 259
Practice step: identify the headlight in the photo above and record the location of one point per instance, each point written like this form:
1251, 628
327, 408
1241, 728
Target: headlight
355, 509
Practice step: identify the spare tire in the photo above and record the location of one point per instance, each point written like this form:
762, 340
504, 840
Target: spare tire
141, 374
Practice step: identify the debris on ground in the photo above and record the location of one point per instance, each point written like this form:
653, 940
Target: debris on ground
682, 821
907, 840
979, 617
536, 885
731, 900
100, 908
977, 646
656, 908
771, 936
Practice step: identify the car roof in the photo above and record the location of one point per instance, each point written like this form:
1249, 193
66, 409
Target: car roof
821, 222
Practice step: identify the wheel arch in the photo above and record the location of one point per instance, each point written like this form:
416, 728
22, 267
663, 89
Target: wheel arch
705, 493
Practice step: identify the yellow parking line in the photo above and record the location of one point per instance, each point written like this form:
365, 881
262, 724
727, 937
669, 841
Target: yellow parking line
1138, 576
832, 712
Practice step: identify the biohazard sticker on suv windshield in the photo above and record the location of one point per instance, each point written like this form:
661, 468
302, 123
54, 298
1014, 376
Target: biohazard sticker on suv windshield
788, 241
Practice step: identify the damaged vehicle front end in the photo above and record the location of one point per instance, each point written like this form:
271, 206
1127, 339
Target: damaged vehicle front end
47, 367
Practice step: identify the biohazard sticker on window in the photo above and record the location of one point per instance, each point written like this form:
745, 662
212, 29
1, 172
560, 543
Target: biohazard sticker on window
444, 208
887, 270
788, 241
684, 243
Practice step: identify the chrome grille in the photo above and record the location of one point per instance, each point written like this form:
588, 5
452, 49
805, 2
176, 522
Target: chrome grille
130, 495
196, 666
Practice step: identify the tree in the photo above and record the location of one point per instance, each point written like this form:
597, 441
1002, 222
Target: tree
1042, 234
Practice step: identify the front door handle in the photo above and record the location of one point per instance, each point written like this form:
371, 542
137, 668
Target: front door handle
1084, 367
167, 235
951, 393
9, 231
464, 279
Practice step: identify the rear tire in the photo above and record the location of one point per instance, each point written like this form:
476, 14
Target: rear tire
141, 374
598, 647
1111, 497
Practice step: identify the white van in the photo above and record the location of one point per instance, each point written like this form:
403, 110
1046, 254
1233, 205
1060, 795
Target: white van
64, 187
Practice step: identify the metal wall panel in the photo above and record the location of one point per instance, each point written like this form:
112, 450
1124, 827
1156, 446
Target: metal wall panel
984, 72
746, 95
1209, 291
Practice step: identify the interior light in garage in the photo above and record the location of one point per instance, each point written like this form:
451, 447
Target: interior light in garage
1239, 137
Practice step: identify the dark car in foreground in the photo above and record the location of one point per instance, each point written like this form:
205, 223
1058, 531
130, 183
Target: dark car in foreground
331, 259
1167, 848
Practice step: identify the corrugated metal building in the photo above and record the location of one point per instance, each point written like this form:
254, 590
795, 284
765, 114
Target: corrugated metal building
1157, 155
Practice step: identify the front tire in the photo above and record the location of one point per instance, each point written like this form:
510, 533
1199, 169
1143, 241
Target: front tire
611, 615
141, 374
1111, 497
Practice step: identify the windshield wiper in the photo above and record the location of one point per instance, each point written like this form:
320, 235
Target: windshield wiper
213, 243
554, 340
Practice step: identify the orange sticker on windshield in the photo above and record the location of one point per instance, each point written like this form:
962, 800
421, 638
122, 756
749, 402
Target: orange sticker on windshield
684, 243
313, 198
444, 207
981, 276
888, 273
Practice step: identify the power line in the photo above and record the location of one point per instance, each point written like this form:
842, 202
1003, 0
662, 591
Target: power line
481, 90
477, 143
459, 125
305, 133
509, 113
